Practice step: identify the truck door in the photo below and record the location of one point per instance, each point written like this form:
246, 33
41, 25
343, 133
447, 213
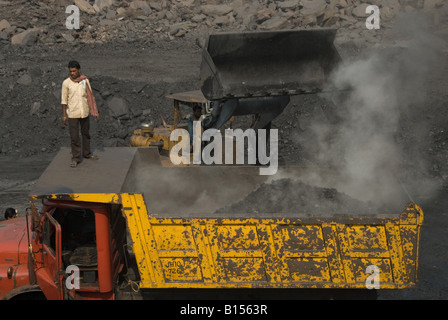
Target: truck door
49, 276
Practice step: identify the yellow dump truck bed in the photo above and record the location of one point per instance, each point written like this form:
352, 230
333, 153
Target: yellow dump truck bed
259, 252
188, 227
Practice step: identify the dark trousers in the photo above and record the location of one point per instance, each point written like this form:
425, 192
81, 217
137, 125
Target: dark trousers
73, 125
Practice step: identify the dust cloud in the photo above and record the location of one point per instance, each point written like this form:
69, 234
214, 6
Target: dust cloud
363, 160
186, 191
375, 95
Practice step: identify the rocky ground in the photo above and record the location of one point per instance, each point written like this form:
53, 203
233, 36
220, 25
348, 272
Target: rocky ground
137, 52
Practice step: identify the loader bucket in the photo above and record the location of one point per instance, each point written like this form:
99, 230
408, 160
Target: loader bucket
271, 63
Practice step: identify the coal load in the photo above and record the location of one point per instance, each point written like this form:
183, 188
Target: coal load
290, 197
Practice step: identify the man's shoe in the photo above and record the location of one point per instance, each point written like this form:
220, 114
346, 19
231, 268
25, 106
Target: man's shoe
74, 164
92, 157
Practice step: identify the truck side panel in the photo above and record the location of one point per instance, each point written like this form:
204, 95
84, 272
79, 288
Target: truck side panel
301, 253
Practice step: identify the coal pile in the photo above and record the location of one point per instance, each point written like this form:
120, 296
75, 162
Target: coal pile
287, 196
137, 52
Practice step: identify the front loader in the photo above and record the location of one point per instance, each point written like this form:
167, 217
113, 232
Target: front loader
251, 73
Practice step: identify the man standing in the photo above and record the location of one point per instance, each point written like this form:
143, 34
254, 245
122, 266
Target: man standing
196, 116
77, 102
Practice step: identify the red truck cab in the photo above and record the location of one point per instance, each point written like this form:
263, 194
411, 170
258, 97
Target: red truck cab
14, 271
39, 252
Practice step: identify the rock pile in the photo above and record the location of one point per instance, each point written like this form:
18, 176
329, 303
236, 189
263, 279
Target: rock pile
288, 196
130, 20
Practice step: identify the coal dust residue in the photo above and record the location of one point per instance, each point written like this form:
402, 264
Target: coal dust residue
289, 197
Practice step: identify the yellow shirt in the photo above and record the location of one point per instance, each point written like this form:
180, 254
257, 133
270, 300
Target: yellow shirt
74, 95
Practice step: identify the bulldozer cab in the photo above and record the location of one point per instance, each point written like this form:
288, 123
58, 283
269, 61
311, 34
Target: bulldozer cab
184, 104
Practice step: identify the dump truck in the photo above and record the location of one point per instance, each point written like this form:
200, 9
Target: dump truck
128, 223
132, 222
